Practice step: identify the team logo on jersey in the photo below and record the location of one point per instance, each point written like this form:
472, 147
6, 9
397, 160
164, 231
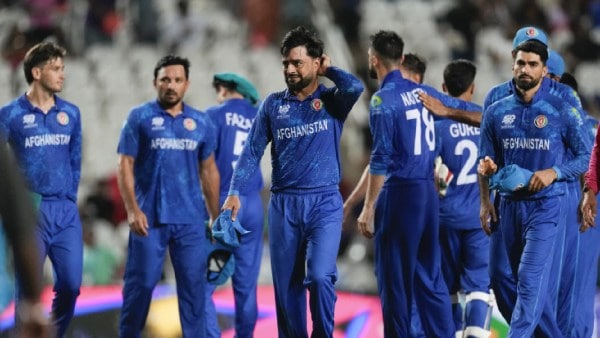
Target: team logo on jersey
375, 101
158, 123
283, 112
62, 118
29, 121
508, 121
316, 104
189, 124
540, 121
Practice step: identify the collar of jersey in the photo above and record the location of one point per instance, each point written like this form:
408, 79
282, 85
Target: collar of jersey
317, 93
24, 102
157, 108
394, 75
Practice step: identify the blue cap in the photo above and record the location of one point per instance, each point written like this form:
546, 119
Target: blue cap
555, 63
529, 33
227, 231
510, 179
241, 84
220, 262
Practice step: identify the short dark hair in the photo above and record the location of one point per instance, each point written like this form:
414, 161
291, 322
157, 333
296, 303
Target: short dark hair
414, 63
533, 46
458, 76
172, 60
301, 36
39, 55
388, 45
570, 80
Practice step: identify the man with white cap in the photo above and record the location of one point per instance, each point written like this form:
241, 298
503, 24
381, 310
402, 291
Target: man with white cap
233, 117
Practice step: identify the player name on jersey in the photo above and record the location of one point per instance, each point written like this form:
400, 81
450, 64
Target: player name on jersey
173, 144
47, 140
461, 130
237, 120
411, 98
302, 130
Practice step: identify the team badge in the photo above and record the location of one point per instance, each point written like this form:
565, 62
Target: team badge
540, 121
531, 32
62, 118
316, 104
375, 101
189, 124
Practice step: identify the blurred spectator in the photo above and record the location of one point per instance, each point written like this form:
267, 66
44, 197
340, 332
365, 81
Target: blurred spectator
101, 22
144, 21
99, 204
185, 29
100, 263
464, 18
530, 13
263, 18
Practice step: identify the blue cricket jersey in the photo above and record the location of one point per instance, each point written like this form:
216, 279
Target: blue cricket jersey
233, 120
403, 131
167, 152
47, 146
457, 145
536, 136
305, 136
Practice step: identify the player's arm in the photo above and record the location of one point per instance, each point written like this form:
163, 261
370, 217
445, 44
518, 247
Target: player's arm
249, 161
453, 108
367, 215
485, 169
210, 179
578, 142
357, 195
19, 220
340, 99
75, 153
135, 216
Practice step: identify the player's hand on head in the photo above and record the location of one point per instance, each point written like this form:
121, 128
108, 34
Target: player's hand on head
487, 167
325, 64
232, 202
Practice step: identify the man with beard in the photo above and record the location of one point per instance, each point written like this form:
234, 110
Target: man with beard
534, 130
304, 124
166, 165
44, 132
401, 208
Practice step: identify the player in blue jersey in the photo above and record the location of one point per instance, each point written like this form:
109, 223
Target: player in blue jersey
534, 130
465, 247
18, 222
233, 119
401, 199
44, 131
304, 125
166, 165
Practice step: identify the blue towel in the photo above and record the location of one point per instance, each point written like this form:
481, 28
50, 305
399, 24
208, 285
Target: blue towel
227, 231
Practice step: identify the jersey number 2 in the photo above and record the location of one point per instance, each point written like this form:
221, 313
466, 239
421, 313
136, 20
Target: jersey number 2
464, 177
